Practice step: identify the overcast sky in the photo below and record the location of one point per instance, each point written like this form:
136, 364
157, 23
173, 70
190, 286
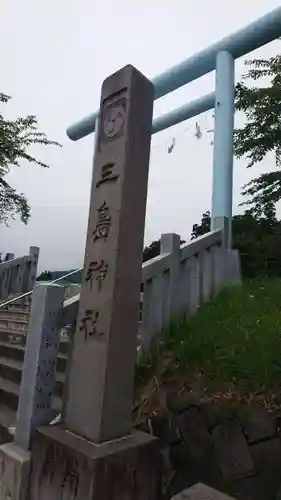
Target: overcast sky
55, 55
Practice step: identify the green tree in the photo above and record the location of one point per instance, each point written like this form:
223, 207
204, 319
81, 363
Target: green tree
16, 137
151, 250
45, 276
262, 132
258, 240
202, 228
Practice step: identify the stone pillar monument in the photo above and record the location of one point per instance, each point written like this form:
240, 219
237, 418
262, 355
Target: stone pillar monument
95, 454
105, 340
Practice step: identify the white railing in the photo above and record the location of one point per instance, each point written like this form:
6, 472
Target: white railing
178, 281
174, 283
17, 276
28, 294
182, 277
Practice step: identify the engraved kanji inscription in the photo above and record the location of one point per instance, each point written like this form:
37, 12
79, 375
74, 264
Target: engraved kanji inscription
99, 268
89, 324
103, 223
107, 174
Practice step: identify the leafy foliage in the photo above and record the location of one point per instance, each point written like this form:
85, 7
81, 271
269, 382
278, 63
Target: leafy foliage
16, 137
45, 276
258, 240
152, 250
262, 132
75, 278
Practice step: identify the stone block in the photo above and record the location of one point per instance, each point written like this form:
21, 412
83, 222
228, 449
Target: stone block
258, 424
257, 487
249, 489
178, 403
211, 414
67, 466
196, 469
164, 427
201, 492
14, 472
232, 451
5, 436
160, 426
166, 461
267, 457
178, 455
216, 413
193, 431
143, 426
174, 435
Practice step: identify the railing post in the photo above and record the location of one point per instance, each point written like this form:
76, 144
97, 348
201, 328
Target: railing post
153, 309
194, 283
218, 256
205, 270
15, 279
38, 375
10, 256
71, 334
4, 283
232, 268
34, 251
170, 244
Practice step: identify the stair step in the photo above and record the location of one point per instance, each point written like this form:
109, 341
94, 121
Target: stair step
11, 363
12, 345
19, 347
12, 331
11, 319
60, 377
13, 337
15, 309
8, 386
6, 304
12, 388
8, 417
15, 318
18, 365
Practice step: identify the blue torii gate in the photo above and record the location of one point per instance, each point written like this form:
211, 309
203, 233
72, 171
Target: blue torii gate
220, 57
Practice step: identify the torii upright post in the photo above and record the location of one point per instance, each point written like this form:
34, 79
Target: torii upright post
223, 146
96, 455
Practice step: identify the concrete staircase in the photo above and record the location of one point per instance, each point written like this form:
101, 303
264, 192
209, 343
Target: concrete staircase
14, 320
13, 328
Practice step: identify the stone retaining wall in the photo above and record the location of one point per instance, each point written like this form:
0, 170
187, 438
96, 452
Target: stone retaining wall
237, 451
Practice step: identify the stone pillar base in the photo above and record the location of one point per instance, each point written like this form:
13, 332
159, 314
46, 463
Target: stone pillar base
14, 472
65, 466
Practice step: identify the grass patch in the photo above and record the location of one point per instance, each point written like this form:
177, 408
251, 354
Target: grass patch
231, 346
